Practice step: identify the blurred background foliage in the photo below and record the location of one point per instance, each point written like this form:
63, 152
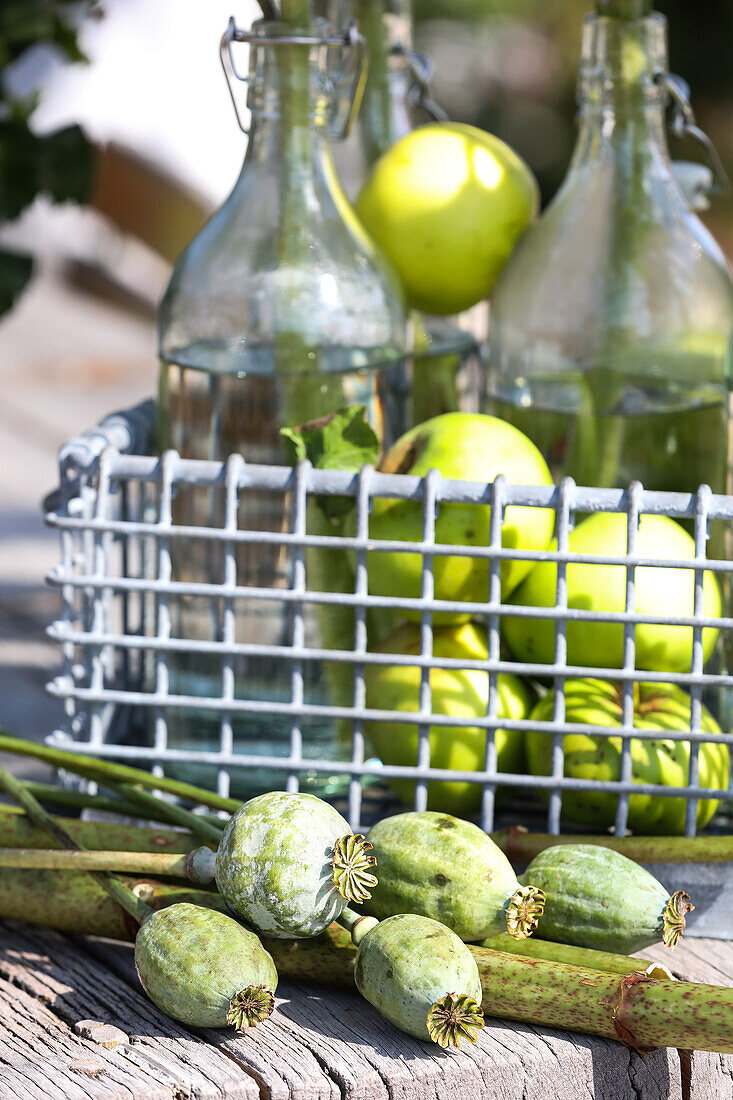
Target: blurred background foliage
57, 165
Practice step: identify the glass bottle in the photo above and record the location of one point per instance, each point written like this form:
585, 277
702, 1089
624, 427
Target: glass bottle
611, 324
282, 282
280, 311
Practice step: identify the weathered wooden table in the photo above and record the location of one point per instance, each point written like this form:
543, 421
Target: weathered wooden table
75, 1025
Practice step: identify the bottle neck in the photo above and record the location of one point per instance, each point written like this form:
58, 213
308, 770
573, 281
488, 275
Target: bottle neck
622, 98
291, 104
273, 135
602, 128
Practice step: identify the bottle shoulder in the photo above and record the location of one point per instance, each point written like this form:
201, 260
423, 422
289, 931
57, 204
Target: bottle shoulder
584, 263
234, 280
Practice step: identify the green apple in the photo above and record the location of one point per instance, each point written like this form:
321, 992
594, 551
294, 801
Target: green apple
468, 447
663, 762
447, 204
659, 591
460, 693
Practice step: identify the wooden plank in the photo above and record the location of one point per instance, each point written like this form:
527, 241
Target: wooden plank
696, 960
40, 1059
329, 1044
61, 975
319, 1044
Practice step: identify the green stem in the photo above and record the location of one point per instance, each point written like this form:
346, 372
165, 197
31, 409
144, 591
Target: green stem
307, 398
77, 903
295, 128
268, 9
295, 157
356, 924
522, 847
629, 10
173, 813
62, 796
129, 901
434, 389
629, 232
197, 865
576, 956
375, 122
16, 831
138, 863
109, 773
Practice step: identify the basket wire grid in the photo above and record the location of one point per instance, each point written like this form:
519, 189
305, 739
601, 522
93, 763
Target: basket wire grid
113, 511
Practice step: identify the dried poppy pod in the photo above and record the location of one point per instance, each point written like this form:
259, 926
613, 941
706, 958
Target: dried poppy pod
418, 975
203, 968
599, 898
449, 869
289, 863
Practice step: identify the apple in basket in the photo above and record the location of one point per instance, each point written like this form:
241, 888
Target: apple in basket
462, 694
467, 447
659, 592
662, 761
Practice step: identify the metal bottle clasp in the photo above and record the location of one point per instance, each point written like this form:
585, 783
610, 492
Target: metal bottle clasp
684, 125
354, 72
420, 66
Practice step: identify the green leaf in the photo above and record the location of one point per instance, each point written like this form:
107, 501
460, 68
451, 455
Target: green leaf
66, 165
342, 441
16, 269
18, 185
59, 165
26, 23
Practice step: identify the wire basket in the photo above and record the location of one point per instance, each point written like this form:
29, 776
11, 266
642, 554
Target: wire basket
115, 514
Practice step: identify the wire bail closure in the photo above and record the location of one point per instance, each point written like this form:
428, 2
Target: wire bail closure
354, 73
420, 67
683, 125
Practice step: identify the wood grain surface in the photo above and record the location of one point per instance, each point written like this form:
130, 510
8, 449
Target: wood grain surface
75, 1025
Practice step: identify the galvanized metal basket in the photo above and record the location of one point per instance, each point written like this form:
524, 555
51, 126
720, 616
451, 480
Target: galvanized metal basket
116, 522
